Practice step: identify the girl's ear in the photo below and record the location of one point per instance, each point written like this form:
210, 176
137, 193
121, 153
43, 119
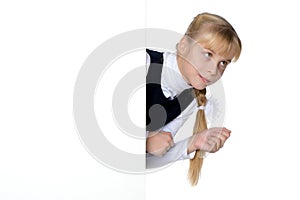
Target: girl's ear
183, 46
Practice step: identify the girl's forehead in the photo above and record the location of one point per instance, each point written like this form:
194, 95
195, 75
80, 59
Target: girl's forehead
224, 44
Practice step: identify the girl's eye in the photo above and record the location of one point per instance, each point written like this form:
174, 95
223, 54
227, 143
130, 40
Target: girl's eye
223, 64
207, 54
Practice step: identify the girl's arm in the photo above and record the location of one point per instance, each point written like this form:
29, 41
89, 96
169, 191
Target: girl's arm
180, 149
210, 140
177, 152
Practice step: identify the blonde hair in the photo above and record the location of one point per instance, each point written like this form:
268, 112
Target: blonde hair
216, 34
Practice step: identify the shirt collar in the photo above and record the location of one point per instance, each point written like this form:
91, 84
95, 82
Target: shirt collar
171, 75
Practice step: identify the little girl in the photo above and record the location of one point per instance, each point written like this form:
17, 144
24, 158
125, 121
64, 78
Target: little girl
176, 86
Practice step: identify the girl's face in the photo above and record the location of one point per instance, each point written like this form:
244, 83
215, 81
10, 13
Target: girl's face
201, 67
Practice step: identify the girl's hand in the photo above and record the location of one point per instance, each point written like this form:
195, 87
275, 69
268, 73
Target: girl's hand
209, 140
158, 143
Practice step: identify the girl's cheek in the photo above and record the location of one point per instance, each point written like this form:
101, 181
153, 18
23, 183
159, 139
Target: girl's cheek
218, 77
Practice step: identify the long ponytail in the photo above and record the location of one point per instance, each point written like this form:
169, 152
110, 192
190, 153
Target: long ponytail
200, 125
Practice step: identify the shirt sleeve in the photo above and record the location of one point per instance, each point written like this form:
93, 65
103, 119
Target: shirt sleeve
179, 150
178, 122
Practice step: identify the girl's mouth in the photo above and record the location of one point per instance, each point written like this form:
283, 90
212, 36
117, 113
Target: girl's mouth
204, 80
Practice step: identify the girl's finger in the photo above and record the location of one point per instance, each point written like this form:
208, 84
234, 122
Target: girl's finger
223, 139
220, 131
171, 143
216, 141
210, 145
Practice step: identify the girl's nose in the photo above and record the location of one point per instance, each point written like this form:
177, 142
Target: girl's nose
213, 68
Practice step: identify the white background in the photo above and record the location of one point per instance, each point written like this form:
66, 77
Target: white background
42, 48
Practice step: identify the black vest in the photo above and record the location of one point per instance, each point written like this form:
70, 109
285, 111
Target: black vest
159, 109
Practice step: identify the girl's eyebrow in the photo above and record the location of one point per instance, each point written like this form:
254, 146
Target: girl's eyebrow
228, 60
209, 50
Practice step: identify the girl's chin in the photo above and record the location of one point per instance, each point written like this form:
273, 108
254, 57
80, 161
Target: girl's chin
197, 84
198, 87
